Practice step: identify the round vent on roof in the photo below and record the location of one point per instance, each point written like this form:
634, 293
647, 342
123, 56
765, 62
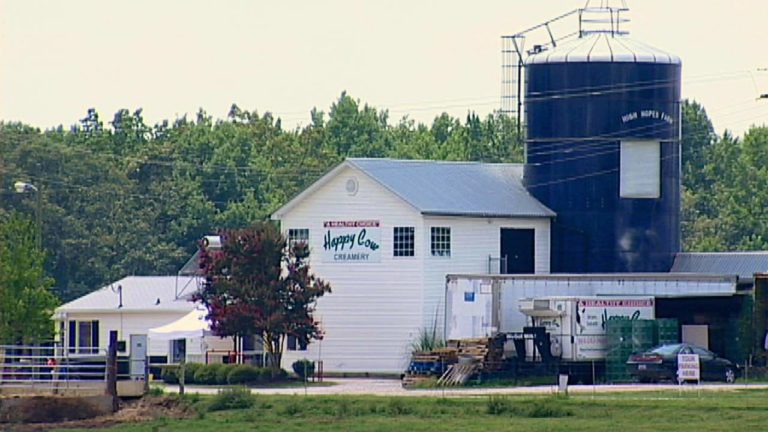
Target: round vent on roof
352, 186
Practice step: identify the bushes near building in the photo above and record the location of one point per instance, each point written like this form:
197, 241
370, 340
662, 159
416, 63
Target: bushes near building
221, 374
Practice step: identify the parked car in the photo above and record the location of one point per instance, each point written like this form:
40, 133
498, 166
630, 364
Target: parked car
660, 364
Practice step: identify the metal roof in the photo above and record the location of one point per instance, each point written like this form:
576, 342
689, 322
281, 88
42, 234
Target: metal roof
456, 188
742, 264
444, 188
603, 47
140, 294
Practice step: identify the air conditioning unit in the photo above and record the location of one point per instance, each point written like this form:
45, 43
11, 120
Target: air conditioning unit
539, 307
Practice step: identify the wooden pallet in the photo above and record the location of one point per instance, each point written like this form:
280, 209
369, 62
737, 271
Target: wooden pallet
458, 374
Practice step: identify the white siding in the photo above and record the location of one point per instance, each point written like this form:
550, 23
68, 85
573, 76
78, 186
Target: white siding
375, 309
472, 241
139, 324
127, 324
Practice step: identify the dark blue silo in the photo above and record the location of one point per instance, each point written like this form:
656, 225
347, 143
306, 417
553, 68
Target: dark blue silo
586, 103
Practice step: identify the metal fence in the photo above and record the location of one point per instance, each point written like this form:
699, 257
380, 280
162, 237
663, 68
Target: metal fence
30, 369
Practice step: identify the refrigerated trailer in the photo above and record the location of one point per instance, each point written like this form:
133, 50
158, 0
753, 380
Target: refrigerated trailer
487, 305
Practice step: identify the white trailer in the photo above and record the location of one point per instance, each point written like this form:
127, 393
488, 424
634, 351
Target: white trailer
576, 325
483, 305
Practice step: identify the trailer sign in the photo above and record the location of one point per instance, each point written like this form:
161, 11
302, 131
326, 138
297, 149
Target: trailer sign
592, 314
688, 367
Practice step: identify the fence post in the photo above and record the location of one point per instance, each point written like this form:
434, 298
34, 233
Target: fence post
112, 370
182, 375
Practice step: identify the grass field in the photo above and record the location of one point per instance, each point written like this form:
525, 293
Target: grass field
737, 410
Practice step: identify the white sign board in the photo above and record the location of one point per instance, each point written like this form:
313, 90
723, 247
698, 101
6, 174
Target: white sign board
593, 314
352, 241
688, 367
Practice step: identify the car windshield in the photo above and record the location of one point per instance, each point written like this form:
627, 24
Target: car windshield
667, 350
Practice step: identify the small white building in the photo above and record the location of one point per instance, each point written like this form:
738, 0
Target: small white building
130, 307
385, 233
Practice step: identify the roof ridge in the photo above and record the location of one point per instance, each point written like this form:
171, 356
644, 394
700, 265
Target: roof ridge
437, 161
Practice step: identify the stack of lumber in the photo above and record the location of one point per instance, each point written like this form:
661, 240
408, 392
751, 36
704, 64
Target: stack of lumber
457, 362
485, 352
427, 364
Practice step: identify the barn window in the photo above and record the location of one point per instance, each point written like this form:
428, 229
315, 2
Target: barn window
640, 169
440, 242
294, 344
403, 242
297, 235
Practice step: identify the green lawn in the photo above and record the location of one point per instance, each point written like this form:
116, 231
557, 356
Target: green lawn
658, 411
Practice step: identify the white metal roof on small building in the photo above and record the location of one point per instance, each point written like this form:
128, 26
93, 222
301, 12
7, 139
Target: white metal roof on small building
446, 188
139, 294
603, 47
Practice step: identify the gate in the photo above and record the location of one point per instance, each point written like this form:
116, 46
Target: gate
50, 369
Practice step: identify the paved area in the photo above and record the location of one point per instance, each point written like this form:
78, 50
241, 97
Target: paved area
391, 387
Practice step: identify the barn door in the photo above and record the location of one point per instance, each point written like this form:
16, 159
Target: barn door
517, 251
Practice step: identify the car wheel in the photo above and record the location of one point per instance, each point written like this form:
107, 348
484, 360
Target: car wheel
730, 376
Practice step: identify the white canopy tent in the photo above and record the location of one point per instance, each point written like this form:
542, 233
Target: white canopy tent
190, 326
190, 337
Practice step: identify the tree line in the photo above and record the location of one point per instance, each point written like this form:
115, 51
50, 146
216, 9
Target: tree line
121, 197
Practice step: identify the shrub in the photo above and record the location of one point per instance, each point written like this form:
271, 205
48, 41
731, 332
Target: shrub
169, 374
265, 375
292, 408
397, 406
232, 398
282, 375
427, 340
547, 408
243, 374
222, 372
343, 409
155, 391
304, 368
207, 374
189, 372
497, 405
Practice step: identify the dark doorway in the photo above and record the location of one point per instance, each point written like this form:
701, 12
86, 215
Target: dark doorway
517, 251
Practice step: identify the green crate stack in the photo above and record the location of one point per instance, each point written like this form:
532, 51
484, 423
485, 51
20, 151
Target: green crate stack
643, 335
619, 348
668, 331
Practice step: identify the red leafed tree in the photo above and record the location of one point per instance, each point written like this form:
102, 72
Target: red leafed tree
255, 285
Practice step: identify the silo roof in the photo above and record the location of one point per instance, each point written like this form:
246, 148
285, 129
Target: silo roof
603, 47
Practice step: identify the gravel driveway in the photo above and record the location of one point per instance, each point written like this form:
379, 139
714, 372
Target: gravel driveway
392, 387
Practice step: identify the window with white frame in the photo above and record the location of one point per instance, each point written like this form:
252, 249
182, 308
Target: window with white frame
294, 344
440, 241
403, 241
84, 337
298, 235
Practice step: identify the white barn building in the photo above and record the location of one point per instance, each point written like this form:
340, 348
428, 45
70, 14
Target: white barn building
130, 307
385, 233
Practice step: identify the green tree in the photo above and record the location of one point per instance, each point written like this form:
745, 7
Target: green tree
26, 303
256, 285
698, 135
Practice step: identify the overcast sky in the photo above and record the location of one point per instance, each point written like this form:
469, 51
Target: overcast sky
416, 58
